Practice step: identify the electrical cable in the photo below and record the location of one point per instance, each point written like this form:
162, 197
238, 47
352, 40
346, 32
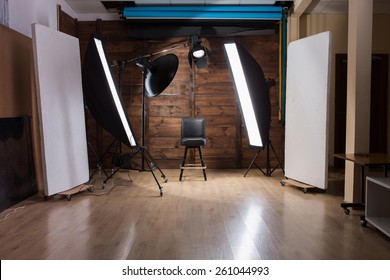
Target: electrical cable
17, 209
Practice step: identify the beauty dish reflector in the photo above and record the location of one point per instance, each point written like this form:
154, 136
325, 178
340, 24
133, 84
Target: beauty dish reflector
161, 74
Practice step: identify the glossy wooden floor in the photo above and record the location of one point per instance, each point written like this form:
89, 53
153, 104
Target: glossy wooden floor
226, 217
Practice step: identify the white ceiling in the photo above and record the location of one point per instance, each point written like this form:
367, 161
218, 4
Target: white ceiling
341, 6
83, 7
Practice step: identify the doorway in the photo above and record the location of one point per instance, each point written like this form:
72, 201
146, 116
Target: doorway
378, 109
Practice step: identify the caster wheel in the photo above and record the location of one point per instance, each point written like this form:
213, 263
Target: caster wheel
363, 223
346, 211
161, 192
304, 190
68, 197
282, 183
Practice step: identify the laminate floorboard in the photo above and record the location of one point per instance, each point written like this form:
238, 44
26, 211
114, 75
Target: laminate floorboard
227, 217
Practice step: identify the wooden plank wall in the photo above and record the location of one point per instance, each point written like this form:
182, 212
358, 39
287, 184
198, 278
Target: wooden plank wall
206, 93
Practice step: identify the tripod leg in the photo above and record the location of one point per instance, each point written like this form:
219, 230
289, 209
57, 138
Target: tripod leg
118, 168
99, 159
268, 167
269, 170
147, 160
99, 164
109, 177
153, 163
277, 158
253, 161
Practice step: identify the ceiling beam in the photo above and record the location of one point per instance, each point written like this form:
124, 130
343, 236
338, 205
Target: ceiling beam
300, 7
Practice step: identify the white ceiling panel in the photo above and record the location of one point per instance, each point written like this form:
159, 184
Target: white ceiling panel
336, 6
87, 6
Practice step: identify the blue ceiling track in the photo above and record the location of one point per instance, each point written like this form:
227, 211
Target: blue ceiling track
204, 12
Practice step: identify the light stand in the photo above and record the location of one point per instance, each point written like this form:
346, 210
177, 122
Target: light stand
252, 91
118, 153
143, 119
106, 105
156, 77
269, 170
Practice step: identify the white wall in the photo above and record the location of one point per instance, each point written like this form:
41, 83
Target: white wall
23, 13
338, 25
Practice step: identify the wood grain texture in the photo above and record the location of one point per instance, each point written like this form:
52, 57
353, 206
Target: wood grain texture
207, 93
226, 217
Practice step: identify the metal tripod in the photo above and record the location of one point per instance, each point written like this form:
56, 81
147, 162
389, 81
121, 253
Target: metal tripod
269, 170
147, 158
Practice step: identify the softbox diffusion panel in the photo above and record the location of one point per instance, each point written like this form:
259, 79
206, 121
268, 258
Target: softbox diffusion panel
101, 96
252, 92
60, 109
307, 98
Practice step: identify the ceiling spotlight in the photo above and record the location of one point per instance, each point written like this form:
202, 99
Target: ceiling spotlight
198, 53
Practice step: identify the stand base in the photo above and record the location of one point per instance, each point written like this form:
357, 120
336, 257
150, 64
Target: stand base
147, 158
269, 170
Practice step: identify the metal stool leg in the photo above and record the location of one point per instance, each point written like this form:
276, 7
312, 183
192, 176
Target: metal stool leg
183, 163
201, 160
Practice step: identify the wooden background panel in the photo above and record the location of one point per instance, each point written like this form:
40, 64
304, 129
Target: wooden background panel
169, 106
215, 100
165, 127
66, 23
206, 93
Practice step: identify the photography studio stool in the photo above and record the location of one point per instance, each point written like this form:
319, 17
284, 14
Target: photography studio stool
193, 135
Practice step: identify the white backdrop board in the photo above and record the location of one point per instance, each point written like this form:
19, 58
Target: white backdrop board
307, 98
61, 109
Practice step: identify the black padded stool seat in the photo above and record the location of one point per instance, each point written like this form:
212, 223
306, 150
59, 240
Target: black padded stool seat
193, 135
193, 142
